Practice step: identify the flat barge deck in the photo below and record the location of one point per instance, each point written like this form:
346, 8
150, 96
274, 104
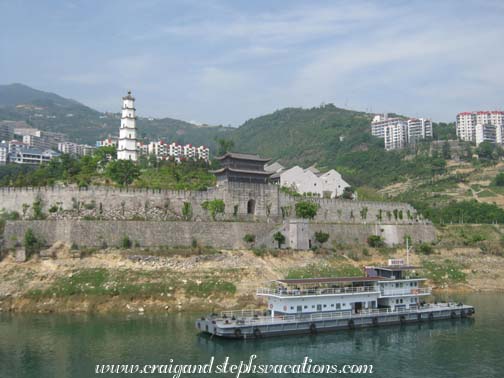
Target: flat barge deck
253, 324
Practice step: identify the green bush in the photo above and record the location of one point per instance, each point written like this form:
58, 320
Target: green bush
53, 209
306, 209
375, 241
249, 238
321, 237
279, 238
125, 242
31, 243
187, 211
425, 249
214, 207
499, 179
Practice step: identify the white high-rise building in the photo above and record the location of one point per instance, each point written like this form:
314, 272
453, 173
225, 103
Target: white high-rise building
127, 145
399, 132
395, 136
418, 129
467, 123
485, 133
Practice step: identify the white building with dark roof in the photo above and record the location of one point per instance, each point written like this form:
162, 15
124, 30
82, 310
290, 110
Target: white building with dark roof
312, 182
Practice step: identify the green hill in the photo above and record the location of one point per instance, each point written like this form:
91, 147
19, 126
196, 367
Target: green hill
332, 138
51, 112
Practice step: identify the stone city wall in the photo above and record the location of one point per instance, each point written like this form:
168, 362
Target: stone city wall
243, 202
217, 234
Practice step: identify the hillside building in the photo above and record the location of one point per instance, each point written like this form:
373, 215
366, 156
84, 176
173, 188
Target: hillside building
6, 131
32, 155
237, 167
177, 152
4, 153
127, 144
75, 149
310, 181
481, 126
397, 132
44, 140
108, 142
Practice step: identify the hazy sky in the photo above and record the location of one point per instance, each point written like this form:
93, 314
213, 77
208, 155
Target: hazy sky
223, 62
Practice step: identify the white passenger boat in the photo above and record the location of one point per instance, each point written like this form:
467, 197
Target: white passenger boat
385, 295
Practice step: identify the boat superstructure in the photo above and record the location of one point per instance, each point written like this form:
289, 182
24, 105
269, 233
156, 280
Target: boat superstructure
391, 294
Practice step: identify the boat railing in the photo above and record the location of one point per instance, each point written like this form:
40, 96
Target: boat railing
319, 291
295, 318
406, 291
241, 313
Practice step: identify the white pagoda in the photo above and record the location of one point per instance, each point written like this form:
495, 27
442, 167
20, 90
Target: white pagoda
127, 146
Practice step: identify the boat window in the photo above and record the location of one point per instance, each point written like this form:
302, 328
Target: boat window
305, 306
292, 307
313, 306
338, 306
332, 304
401, 301
325, 306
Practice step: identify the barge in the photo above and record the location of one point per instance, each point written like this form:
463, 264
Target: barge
385, 295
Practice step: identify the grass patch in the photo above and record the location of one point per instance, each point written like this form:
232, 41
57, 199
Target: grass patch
486, 193
209, 287
444, 272
141, 284
319, 270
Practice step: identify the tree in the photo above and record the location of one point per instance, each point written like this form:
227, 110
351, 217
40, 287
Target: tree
348, 193
214, 207
499, 179
306, 210
225, 145
321, 237
279, 238
124, 172
375, 241
446, 151
31, 243
487, 151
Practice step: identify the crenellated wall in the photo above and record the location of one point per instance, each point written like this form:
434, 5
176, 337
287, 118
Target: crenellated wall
243, 202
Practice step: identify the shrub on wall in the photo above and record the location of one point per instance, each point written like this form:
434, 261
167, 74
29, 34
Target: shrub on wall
279, 238
306, 210
321, 237
249, 238
126, 242
187, 211
214, 207
31, 243
375, 241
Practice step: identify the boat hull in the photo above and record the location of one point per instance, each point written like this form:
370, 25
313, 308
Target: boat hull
248, 329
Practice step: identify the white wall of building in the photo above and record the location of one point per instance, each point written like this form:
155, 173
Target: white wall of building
330, 184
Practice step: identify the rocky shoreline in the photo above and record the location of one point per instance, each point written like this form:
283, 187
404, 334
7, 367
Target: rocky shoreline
127, 281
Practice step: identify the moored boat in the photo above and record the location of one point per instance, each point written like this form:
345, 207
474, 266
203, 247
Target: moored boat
385, 295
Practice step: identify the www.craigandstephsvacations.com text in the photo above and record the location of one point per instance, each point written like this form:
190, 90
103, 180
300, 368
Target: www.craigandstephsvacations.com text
250, 366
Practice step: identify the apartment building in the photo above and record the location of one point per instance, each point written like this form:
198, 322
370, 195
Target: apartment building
177, 152
6, 131
4, 153
108, 142
468, 130
418, 129
75, 149
32, 156
42, 139
397, 132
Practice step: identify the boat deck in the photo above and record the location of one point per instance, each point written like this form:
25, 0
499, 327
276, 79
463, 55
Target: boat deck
254, 324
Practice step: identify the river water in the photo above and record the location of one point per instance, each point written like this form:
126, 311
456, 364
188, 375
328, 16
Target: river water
71, 345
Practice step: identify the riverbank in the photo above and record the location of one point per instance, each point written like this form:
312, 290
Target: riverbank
115, 280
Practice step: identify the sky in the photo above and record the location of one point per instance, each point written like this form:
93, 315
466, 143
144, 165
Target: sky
223, 62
